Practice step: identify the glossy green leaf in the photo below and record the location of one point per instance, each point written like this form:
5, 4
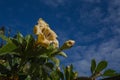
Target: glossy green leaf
62, 54
56, 61
5, 38
20, 37
30, 40
60, 74
93, 65
101, 65
68, 72
9, 47
109, 72
43, 56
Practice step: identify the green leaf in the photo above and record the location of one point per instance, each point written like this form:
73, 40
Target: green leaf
20, 37
75, 75
53, 75
5, 38
43, 56
28, 77
56, 61
93, 65
61, 75
62, 54
67, 73
101, 65
30, 40
109, 72
9, 47
71, 72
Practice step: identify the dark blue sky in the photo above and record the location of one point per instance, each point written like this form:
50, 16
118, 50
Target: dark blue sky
93, 24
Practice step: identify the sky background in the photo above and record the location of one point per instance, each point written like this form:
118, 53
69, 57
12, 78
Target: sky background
93, 24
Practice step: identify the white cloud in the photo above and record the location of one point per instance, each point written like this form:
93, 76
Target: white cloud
109, 48
82, 67
113, 12
54, 3
93, 1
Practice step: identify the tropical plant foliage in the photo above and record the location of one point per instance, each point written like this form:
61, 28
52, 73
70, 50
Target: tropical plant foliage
21, 57
99, 69
30, 58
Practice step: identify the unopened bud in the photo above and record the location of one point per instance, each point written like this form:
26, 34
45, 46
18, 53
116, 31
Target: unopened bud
58, 68
68, 44
68, 68
75, 75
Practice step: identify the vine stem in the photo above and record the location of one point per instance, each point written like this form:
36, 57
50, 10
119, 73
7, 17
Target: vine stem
95, 75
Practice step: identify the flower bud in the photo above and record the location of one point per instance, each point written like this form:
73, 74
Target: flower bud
68, 68
75, 75
68, 44
58, 68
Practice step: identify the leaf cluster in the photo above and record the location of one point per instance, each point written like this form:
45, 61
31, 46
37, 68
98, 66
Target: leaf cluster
100, 69
19, 56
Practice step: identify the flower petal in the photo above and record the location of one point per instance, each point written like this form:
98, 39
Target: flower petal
45, 35
36, 30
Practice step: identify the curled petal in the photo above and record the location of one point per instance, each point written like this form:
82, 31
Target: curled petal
42, 41
55, 43
52, 35
36, 30
42, 23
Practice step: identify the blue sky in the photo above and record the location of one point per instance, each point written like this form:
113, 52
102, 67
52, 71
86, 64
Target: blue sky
93, 24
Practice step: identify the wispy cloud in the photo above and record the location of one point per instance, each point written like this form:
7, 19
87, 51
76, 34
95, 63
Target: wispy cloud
54, 3
109, 46
92, 1
108, 50
113, 17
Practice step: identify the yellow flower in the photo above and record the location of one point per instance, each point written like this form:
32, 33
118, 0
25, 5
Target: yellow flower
42, 23
45, 36
36, 30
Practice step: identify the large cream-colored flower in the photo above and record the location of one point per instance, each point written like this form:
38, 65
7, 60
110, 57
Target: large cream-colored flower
45, 36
